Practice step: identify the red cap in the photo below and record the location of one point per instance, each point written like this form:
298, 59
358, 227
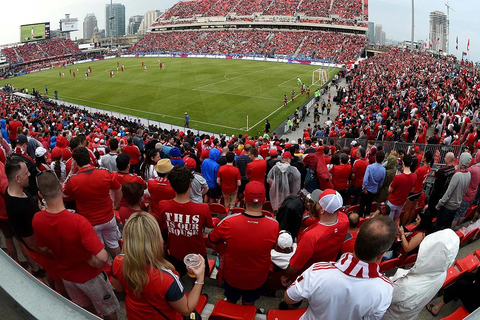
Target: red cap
288, 145
273, 152
254, 192
190, 162
277, 143
57, 153
417, 148
287, 155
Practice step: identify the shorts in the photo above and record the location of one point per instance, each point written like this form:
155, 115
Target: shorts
215, 193
181, 268
395, 211
97, 291
414, 196
249, 296
462, 210
108, 233
6, 228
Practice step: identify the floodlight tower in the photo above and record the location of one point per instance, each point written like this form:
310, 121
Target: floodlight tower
413, 25
448, 24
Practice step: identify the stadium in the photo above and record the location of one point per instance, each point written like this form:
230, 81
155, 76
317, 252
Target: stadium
313, 176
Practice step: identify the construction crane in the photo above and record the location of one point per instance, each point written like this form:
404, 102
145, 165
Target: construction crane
448, 23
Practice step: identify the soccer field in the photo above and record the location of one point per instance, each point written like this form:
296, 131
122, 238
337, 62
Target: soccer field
218, 94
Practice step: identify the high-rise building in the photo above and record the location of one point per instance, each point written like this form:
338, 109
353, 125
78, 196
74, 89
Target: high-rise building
371, 32
439, 31
383, 39
378, 34
134, 24
89, 24
148, 20
115, 20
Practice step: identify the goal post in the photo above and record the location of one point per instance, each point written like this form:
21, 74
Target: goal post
319, 77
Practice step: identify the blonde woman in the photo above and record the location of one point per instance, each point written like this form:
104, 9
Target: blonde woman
153, 287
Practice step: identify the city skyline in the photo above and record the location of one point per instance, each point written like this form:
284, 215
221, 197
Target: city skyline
393, 15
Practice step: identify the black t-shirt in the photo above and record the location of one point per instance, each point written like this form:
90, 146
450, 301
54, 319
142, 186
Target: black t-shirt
443, 177
20, 213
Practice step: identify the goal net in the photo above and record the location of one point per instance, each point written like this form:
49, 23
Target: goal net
319, 77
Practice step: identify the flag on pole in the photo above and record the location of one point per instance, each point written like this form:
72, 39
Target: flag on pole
468, 44
425, 43
438, 40
457, 43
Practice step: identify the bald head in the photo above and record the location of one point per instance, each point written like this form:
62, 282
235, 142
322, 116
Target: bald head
449, 157
375, 238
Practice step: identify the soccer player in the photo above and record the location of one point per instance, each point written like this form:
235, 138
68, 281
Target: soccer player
187, 120
74, 74
145, 67
293, 95
86, 75
285, 100
308, 92
123, 67
299, 81
63, 74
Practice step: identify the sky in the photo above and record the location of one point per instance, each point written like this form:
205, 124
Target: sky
394, 15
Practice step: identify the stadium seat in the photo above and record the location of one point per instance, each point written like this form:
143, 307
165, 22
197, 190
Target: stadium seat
217, 208
468, 237
267, 205
361, 221
459, 314
211, 266
373, 207
477, 253
224, 310
468, 264
202, 302
268, 214
452, 275
410, 227
274, 314
352, 209
389, 264
237, 210
471, 211
117, 215
409, 260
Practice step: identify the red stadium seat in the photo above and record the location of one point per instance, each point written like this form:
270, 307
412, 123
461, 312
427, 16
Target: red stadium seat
268, 214
217, 208
452, 275
389, 264
409, 260
459, 314
117, 215
468, 264
477, 253
361, 221
224, 310
237, 210
352, 209
471, 211
274, 314
468, 237
202, 302
410, 227
267, 205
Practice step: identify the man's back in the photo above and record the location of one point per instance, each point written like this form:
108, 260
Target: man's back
347, 289
109, 161
90, 188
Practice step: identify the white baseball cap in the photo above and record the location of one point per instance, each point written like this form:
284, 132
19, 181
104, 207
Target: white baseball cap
40, 151
329, 199
284, 240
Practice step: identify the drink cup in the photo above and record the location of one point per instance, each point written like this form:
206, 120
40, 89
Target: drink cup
192, 260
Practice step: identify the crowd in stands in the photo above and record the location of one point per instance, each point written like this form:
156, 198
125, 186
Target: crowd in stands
329, 46
41, 50
165, 184
345, 10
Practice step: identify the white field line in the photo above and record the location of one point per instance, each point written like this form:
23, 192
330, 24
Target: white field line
154, 113
282, 84
229, 79
237, 94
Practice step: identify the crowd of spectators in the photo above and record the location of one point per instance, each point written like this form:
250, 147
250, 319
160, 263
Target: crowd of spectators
174, 175
329, 46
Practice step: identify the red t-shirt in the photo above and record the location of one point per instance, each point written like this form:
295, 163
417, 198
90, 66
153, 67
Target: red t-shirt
247, 259
163, 286
256, 170
159, 189
422, 174
263, 150
320, 243
72, 240
229, 175
125, 213
12, 126
90, 188
359, 168
185, 223
128, 177
133, 152
402, 185
340, 176
349, 244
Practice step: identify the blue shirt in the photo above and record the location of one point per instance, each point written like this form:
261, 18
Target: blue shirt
374, 177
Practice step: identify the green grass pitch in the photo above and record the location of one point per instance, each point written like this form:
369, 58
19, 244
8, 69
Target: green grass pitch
218, 94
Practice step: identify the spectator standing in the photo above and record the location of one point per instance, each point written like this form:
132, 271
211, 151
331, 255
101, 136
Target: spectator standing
400, 188
241, 163
135, 156
450, 202
247, 259
284, 180
317, 162
183, 220
19, 150
391, 171
90, 188
256, 169
160, 188
209, 172
123, 175
358, 172
370, 292
133, 196
321, 241
414, 288
77, 251
349, 243
147, 168
153, 288
229, 180
199, 185
442, 176
341, 176
109, 160
138, 139
372, 182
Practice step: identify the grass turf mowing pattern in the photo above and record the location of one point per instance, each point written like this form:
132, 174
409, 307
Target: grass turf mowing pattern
218, 94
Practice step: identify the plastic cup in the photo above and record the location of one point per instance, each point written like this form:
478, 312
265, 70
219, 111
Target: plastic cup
192, 260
